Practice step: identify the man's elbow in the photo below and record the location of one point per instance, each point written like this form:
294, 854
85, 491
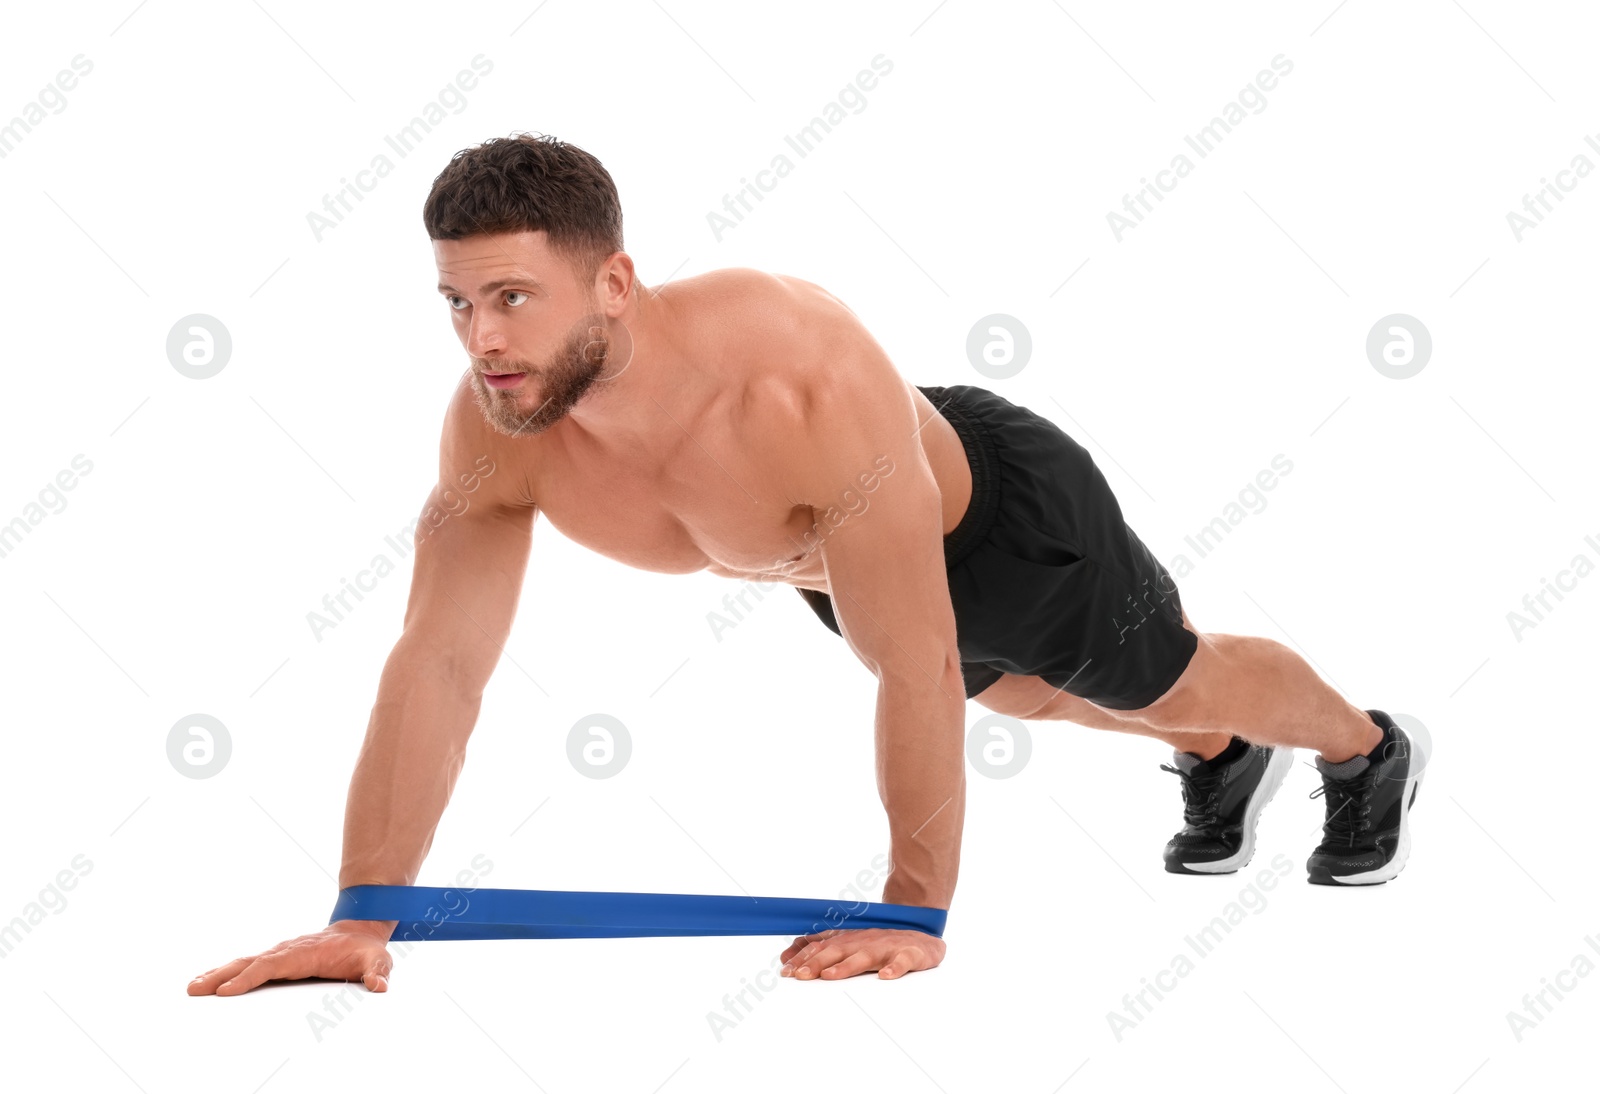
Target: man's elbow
902, 673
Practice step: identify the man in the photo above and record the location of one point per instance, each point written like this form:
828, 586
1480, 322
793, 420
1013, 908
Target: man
746, 423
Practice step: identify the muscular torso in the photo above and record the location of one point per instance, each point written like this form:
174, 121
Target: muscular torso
721, 392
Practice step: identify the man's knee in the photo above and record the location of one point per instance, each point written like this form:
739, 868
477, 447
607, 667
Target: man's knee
1193, 702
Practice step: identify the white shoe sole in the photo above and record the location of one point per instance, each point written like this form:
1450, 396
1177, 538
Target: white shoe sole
1402, 848
1278, 766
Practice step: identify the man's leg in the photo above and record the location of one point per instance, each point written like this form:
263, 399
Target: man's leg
1235, 685
1031, 698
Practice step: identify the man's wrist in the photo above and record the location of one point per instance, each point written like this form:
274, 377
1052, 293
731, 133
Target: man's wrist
377, 928
898, 890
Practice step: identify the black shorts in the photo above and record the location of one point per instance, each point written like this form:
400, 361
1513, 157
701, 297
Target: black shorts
1046, 579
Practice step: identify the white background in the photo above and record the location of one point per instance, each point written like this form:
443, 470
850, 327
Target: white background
1227, 328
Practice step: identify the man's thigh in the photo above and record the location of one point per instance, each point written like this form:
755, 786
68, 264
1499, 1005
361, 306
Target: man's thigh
1029, 696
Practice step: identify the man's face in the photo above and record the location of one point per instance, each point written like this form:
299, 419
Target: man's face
535, 336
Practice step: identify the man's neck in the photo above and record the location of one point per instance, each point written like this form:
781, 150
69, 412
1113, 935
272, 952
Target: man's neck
626, 402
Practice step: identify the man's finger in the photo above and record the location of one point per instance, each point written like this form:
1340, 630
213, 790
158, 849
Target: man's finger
272, 966
376, 978
799, 957
863, 960
814, 937
242, 981
902, 962
809, 966
207, 982
800, 946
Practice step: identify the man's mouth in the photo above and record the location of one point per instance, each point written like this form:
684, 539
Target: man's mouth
503, 381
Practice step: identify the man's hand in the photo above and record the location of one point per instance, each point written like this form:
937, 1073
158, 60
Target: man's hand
347, 950
833, 955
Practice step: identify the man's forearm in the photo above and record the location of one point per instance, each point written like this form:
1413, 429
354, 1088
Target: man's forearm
922, 781
414, 748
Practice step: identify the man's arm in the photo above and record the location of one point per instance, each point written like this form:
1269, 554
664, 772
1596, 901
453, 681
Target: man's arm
879, 510
472, 542
471, 554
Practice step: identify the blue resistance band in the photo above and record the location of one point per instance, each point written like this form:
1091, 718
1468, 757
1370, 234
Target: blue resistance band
426, 913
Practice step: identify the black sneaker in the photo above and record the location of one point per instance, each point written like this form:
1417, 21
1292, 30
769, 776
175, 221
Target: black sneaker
1222, 800
1367, 834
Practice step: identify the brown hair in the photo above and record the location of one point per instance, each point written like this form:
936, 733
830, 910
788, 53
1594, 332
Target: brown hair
529, 183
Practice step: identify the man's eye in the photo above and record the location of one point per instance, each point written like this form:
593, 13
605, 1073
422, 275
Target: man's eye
514, 303
451, 300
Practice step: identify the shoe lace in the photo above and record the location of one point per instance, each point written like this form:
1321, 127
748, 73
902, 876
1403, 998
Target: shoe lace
1349, 804
1201, 799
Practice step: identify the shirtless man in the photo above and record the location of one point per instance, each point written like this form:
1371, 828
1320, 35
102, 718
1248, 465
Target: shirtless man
748, 424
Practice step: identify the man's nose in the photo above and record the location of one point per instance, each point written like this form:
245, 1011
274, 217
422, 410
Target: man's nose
484, 337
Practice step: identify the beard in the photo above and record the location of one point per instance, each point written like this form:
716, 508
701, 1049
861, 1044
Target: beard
550, 392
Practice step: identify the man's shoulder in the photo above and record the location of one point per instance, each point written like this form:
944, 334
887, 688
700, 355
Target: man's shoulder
743, 280
804, 366
468, 444
771, 304
786, 335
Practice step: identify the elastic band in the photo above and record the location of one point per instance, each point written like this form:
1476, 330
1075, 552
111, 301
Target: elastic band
426, 913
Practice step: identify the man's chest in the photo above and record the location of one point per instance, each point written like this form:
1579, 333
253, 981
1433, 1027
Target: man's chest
693, 512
